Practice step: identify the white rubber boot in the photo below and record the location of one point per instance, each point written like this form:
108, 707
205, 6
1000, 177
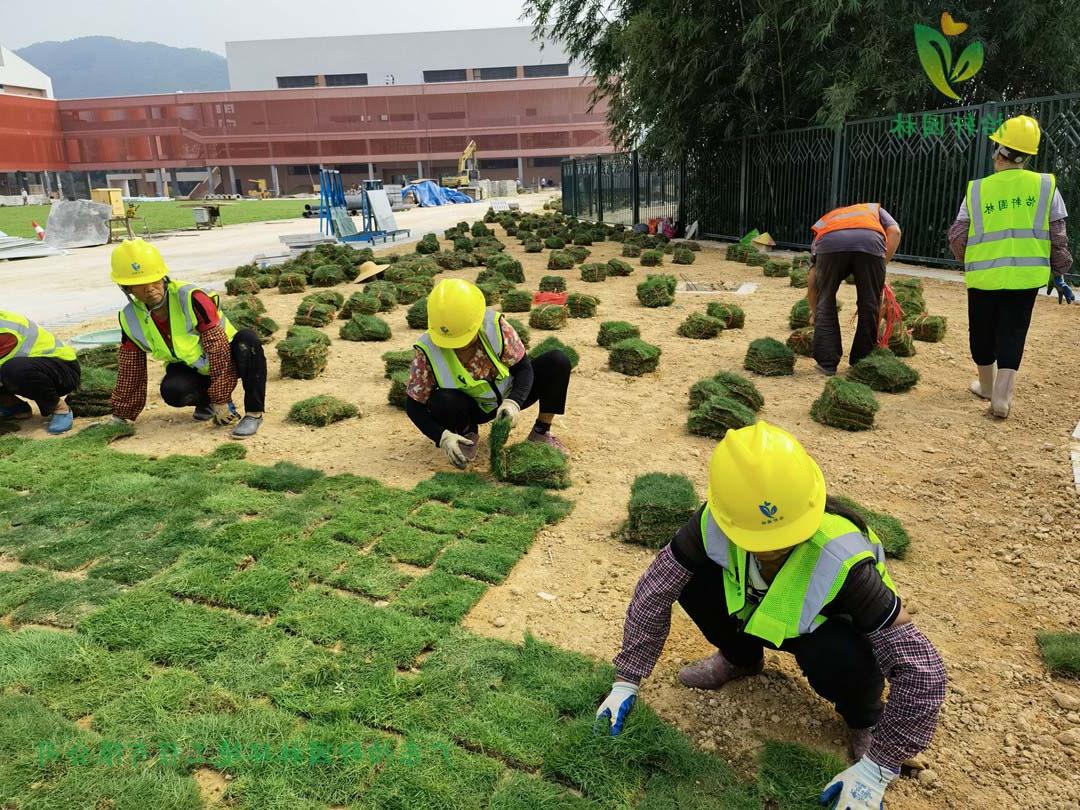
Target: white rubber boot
984, 386
1001, 403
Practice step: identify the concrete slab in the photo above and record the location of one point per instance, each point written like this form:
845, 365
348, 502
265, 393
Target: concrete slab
77, 223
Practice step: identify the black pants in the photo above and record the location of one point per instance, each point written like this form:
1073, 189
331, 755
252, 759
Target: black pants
183, 386
459, 413
998, 322
830, 271
836, 659
41, 379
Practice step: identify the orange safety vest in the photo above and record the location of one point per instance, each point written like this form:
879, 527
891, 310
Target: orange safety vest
861, 215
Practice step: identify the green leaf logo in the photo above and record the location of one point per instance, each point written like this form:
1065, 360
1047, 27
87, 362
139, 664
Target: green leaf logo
935, 54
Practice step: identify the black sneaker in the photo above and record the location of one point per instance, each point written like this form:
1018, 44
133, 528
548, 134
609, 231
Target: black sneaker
202, 414
820, 369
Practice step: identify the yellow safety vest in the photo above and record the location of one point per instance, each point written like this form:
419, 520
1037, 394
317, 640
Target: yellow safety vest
809, 579
1008, 245
451, 374
31, 340
139, 326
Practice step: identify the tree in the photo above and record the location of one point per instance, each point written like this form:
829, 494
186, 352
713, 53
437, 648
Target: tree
681, 76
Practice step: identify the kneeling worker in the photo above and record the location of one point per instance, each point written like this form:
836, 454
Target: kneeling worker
35, 365
770, 561
471, 367
181, 325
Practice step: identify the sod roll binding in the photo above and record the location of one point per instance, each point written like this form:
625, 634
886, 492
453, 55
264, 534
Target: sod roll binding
699, 326
560, 260
365, 328
314, 314
657, 291
594, 271
928, 328
660, 505
769, 358
321, 411
881, 370
552, 343
329, 297
578, 253
385, 291
731, 315
634, 357
302, 357
548, 316
631, 250
527, 463
552, 284
717, 415
94, 394
617, 267
900, 342
580, 305
801, 341
799, 277
611, 332
651, 258
846, 405
291, 283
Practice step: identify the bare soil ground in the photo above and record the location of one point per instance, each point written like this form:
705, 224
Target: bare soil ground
991, 507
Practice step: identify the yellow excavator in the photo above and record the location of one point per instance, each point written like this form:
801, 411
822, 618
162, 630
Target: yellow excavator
261, 191
466, 169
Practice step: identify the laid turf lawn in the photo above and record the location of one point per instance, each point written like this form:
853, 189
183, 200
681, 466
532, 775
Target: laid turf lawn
258, 622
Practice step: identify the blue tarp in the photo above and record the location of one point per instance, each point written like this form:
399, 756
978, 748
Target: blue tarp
428, 194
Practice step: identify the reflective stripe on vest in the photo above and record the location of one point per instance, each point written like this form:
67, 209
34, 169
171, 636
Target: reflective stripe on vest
1008, 245
451, 374
816, 570
863, 216
31, 340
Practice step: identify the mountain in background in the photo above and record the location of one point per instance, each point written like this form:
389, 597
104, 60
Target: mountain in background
104, 66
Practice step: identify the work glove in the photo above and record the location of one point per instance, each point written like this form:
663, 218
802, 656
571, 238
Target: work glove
225, 414
613, 711
1064, 291
860, 787
451, 444
508, 410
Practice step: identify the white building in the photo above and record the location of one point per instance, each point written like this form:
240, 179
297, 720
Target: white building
18, 77
379, 59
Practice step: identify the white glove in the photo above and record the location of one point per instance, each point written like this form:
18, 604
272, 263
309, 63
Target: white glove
616, 707
860, 787
508, 410
451, 444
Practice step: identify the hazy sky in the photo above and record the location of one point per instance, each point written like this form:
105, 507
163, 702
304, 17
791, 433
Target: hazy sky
209, 24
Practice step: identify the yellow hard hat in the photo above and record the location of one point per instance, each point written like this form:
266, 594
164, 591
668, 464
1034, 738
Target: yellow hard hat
455, 313
137, 262
1021, 134
765, 492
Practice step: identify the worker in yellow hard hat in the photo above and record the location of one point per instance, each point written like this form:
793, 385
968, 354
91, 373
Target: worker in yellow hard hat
35, 365
770, 561
181, 325
1010, 234
470, 367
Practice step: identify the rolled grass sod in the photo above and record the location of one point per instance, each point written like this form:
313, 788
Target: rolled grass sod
801, 341
266, 280
314, 314
617, 267
846, 405
630, 250
735, 252
516, 301
93, 397
242, 286
508, 267
755, 258
800, 260
308, 333
359, 303
552, 284
397, 361
365, 328
717, 415
799, 277
532, 246
732, 315
928, 328
682, 255
560, 260
554, 243
651, 258
659, 506
611, 332
302, 358
881, 370
416, 316
331, 298
385, 291
699, 326
548, 316
321, 411
243, 318
291, 283
769, 358
535, 464
578, 253
1061, 653
892, 534
580, 305
800, 314
774, 268
552, 343
657, 291
900, 342
328, 275
100, 357
634, 357
399, 384
410, 292
594, 271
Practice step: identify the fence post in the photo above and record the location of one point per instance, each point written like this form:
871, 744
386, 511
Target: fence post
742, 189
635, 190
680, 206
837, 167
599, 189
574, 169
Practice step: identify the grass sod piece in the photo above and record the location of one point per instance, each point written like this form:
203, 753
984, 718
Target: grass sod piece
699, 326
617, 267
321, 411
497, 438
769, 358
560, 260
532, 246
307, 333
735, 252
416, 316
302, 358
359, 303
651, 258
329, 297
611, 332
94, 394
659, 506
397, 361
548, 316
554, 243
799, 318
846, 405
578, 252
580, 305
534, 464
928, 328
799, 277
657, 291
242, 286
630, 250
717, 415
801, 341
492, 291
385, 291
881, 370
800, 260
892, 534
1061, 653
365, 328
328, 275
552, 343
103, 356
411, 291
634, 357
552, 284
594, 271
755, 258
900, 342
508, 267
681, 255
731, 314
262, 325
291, 283
516, 301
428, 244
740, 389
774, 268
399, 384
314, 314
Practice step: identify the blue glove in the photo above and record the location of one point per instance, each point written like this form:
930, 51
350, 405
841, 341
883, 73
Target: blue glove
617, 705
1064, 291
860, 787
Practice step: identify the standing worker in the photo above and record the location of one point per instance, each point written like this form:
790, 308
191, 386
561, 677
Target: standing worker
181, 325
856, 240
771, 561
35, 365
471, 367
25, 196
1010, 235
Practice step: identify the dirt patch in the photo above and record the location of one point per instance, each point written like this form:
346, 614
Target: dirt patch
992, 511
211, 784
85, 723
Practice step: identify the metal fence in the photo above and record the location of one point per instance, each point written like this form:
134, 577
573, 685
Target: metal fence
917, 165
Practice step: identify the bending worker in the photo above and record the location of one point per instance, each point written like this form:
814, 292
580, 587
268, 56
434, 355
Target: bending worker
771, 561
35, 365
471, 367
857, 240
1010, 235
181, 325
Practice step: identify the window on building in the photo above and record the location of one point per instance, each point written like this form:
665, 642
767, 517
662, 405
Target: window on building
444, 75
485, 74
452, 115
498, 163
346, 79
302, 171
296, 81
539, 71
547, 162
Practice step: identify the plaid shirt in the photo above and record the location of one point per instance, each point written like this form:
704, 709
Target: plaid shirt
474, 358
906, 658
